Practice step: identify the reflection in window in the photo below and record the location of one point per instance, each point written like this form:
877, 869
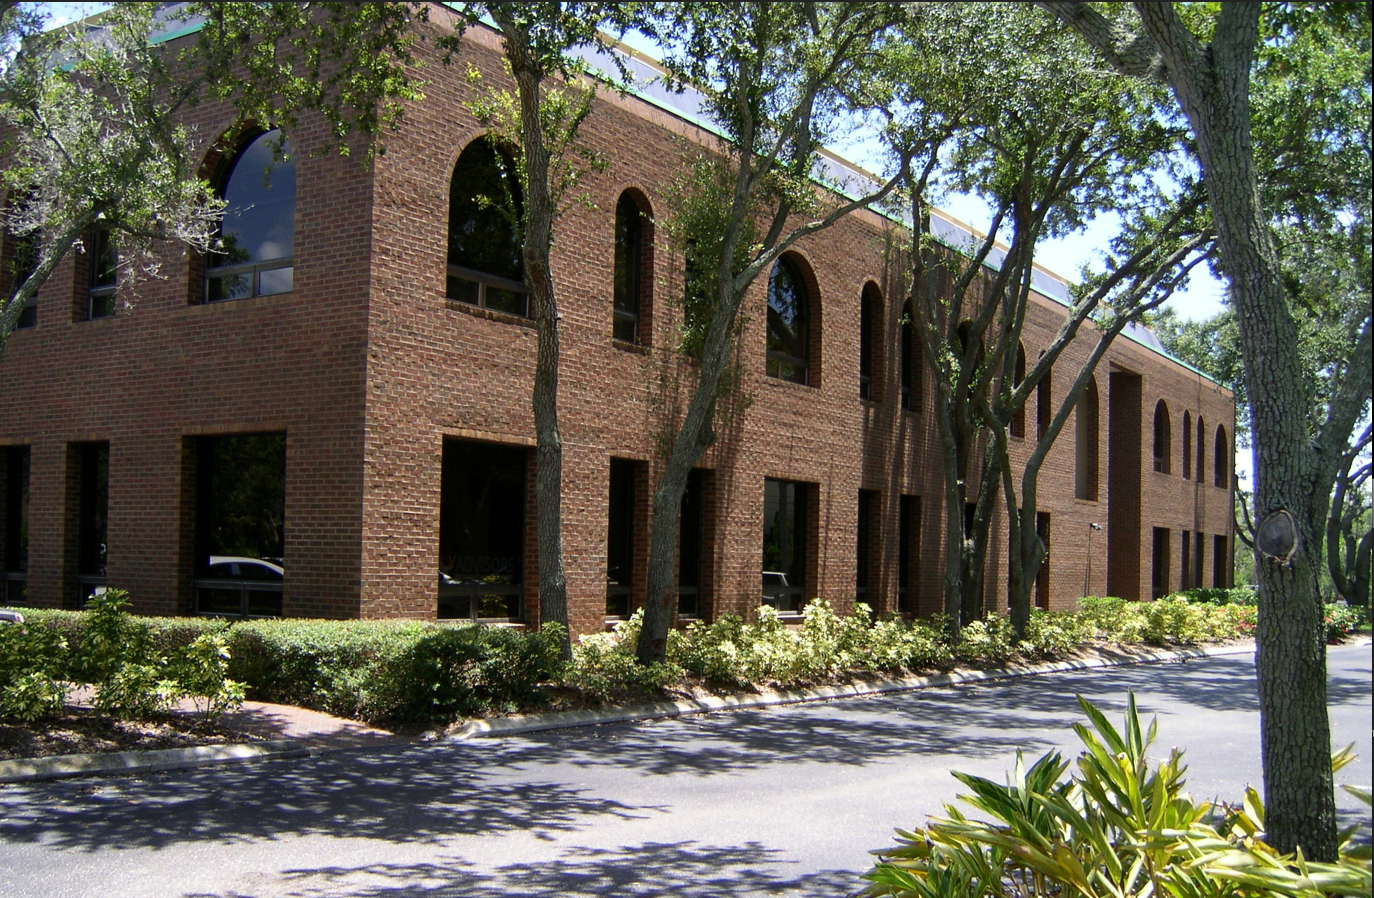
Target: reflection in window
22, 265
16, 521
689, 547
1220, 451
870, 305
1164, 439
908, 552
1086, 449
1200, 468
1018, 417
102, 267
484, 239
240, 524
481, 531
630, 228
620, 539
788, 323
784, 544
913, 364
1159, 566
257, 235
1187, 446
92, 510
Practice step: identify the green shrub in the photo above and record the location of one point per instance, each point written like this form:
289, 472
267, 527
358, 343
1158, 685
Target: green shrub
1343, 620
986, 641
320, 664
201, 672
453, 672
1050, 634
1175, 620
33, 659
1115, 826
1213, 595
604, 669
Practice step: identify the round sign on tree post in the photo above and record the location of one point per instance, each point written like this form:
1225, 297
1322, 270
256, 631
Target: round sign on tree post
1276, 537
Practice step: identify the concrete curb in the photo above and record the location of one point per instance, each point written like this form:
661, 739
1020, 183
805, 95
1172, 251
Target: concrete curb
23, 770
530, 723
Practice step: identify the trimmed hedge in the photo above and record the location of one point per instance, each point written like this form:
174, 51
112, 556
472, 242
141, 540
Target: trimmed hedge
416, 674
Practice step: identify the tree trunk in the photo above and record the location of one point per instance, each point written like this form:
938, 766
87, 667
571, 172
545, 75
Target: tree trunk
1212, 87
539, 212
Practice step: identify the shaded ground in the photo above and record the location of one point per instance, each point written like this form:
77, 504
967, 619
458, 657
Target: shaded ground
80, 730
83, 731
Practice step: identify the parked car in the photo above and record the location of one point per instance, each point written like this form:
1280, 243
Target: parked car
10, 617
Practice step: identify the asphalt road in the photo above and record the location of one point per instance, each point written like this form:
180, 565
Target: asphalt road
779, 802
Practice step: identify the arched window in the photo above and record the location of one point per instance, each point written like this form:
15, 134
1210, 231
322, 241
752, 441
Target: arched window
633, 269
258, 232
913, 362
1221, 452
1085, 455
1187, 446
789, 323
1164, 439
484, 239
1018, 417
870, 314
1200, 468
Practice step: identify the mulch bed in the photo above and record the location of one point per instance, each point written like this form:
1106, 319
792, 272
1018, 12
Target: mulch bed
80, 731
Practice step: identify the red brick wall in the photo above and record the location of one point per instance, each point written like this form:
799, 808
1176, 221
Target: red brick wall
367, 368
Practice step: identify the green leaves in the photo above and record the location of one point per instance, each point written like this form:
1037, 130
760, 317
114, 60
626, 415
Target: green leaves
1118, 827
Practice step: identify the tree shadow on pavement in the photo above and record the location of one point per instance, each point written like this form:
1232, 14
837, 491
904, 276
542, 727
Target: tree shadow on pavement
398, 796
647, 870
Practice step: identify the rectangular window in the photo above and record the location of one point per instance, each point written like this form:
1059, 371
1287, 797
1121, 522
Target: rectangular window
240, 524
1199, 545
1159, 568
1185, 579
908, 552
1221, 563
620, 540
865, 551
92, 510
22, 264
690, 539
1042, 576
784, 544
16, 519
102, 268
482, 531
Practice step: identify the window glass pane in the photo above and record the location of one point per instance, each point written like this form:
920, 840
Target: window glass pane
17, 509
275, 280
104, 260
620, 538
231, 286
506, 300
484, 211
481, 530
628, 231
784, 549
94, 503
787, 323
241, 501
462, 290
260, 219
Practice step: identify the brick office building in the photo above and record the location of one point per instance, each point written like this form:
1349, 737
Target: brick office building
333, 419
